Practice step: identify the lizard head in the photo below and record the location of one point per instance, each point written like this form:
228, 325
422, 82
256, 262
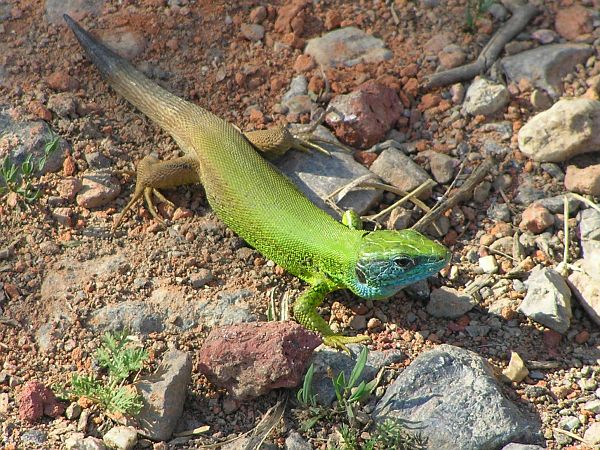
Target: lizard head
389, 260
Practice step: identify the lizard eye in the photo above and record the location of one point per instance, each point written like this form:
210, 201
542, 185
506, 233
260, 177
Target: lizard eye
403, 262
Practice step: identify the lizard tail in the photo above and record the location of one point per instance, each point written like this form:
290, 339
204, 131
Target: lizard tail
155, 102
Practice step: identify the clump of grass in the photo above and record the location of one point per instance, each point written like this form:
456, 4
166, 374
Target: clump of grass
18, 178
350, 393
121, 358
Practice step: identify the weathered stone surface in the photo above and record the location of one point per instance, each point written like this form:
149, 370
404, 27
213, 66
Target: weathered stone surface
318, 175
536, 219
586, 289
30, 138
449, 303
347, 47
327, 360
75, 8
98, 190
152, 315
451, 394
252, 359
585, 180
548, 299
121, 438
485, 97
545, 66
401, 171
571, 127
363, 117
36, 400
573, 21
163, 394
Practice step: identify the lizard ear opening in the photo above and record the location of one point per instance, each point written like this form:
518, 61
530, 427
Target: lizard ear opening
361, 276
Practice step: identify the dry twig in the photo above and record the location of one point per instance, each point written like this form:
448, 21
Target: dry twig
521, 16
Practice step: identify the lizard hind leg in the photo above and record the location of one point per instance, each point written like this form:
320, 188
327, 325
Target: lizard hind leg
153, 174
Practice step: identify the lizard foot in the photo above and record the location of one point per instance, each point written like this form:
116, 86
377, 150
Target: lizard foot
339, 341
147, 194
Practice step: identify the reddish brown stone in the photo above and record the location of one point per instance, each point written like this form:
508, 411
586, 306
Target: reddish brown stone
304, 63
40, 111
536, 219
365, 158
69, 166
62, 81
36, 400
368, 113
583, 181
251, 359
333, 19
286, 14
573, 22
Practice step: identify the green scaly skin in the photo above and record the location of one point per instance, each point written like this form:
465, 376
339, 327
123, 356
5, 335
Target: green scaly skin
267, 210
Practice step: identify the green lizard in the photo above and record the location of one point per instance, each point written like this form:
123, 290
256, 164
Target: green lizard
261, 205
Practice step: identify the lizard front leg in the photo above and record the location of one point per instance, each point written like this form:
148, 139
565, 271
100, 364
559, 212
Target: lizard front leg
275, 141
153, 174
305, 313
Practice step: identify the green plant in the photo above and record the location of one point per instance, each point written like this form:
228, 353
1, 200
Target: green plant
474, 10
389, 434
120, 358
18, 178
347, 392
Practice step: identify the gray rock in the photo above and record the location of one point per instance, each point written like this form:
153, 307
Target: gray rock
499, 211
527, 193
448, 303
592, 434
556, 204
453, 398
400, 171
571, 127
569, 423
33, 437
296, 442
485, 97
30, 138
121, 438
545, 66
347, 47
592, 405
494, 149
514, 446
554, 170
442, 167
399, 219
326, 358
73, 411
498, 11
164, 394
544, 36
419, 290
481, 192
200, 278
548, 299
98, 189
252, 31
97, 160
586, 289
167, 308
298, 86
56, 8
77, 441
64, 104
319, 175
589, 225
540, 100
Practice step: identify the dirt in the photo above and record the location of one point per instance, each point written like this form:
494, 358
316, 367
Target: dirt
200, 52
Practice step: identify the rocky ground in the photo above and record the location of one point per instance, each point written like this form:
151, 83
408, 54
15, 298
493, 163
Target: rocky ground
505, 339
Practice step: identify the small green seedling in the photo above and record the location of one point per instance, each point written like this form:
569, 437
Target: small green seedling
121, 358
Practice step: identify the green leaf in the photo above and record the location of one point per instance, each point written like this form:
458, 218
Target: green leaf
358, 368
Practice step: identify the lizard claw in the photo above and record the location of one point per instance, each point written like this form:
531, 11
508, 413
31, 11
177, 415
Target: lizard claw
339, 341
146, 192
